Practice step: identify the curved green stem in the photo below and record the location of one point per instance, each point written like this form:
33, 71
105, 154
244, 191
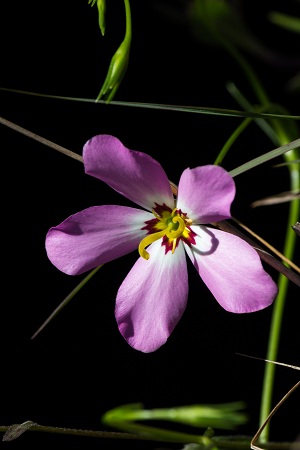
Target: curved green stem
289, 245
128, 31
237, 132
119, 62
231, 140
274, 335
249, 72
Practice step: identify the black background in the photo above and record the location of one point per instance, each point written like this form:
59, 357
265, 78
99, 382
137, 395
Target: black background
80, 366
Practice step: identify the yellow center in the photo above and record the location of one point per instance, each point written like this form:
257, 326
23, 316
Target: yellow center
171, 224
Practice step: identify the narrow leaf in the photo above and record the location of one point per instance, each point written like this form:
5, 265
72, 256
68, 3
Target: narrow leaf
14, 431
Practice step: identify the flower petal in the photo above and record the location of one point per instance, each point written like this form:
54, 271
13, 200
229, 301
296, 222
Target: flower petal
206, 193
232, 271
133, 174
152, 298
95, 236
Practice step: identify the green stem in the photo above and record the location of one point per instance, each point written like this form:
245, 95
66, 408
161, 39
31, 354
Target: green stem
12, 432
231, 140
249, 72
289, 245
119, 62
128, 31
237, 132
279, 304
66, 300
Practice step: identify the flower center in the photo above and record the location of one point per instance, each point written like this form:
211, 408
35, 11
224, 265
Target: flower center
168, 225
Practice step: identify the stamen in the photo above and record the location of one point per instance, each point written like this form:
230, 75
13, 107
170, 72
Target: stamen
174, 245
168, 221
149, 239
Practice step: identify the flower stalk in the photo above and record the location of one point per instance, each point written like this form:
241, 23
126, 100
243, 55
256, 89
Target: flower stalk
119, 62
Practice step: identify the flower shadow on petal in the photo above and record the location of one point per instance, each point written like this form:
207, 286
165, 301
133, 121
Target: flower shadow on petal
214, 245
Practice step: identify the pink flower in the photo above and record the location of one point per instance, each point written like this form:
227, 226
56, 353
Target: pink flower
153, 296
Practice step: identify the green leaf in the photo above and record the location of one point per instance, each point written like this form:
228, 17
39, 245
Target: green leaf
285, 21
266, 157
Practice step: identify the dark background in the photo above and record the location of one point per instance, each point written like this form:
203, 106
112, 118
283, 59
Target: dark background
80, 366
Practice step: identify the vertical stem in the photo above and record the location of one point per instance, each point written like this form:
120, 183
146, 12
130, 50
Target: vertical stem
290, 239
279, 304
128, 31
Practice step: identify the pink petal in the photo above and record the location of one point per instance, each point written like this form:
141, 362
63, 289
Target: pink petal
232, 271
206, 193
95, 236
152, 298
133, 174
